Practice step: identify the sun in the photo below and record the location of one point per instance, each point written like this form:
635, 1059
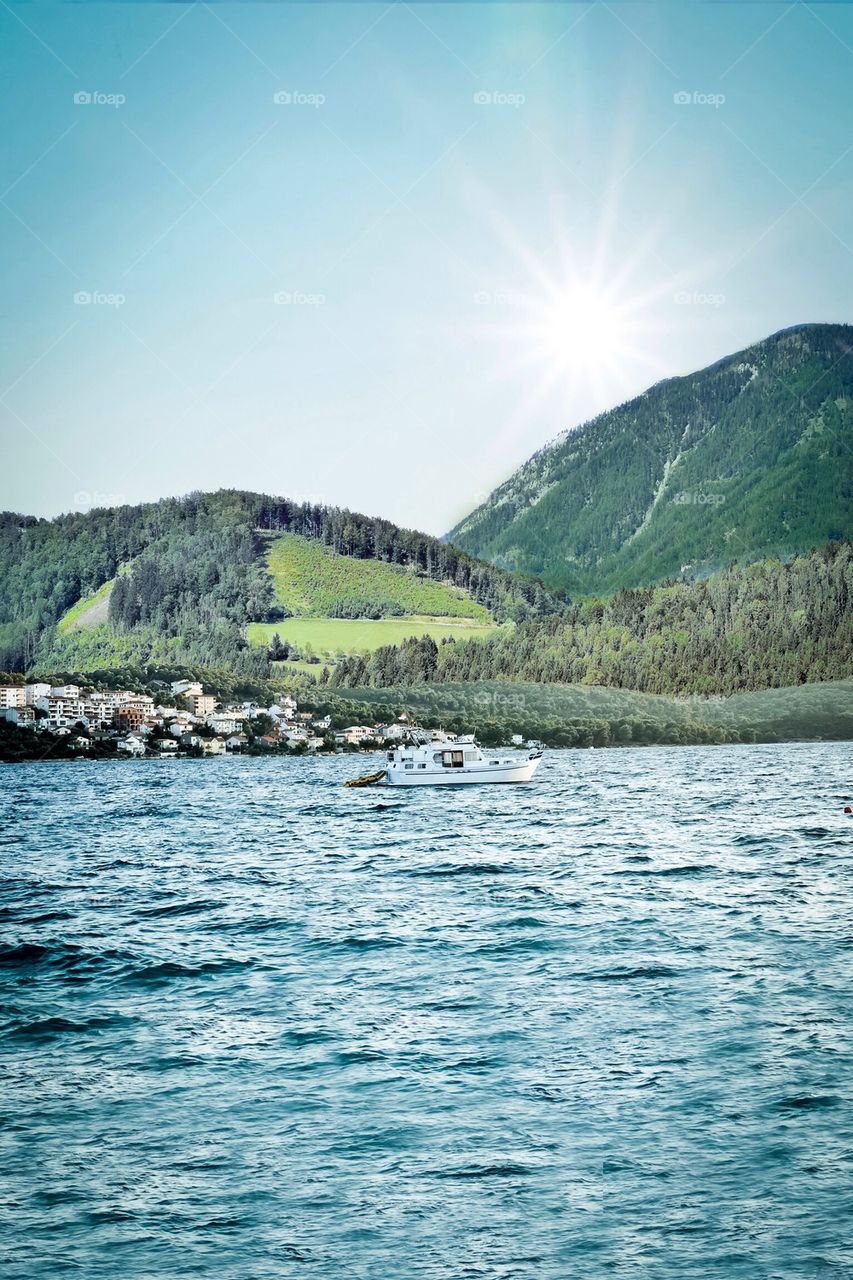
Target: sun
582, 329
579, 337
577, 327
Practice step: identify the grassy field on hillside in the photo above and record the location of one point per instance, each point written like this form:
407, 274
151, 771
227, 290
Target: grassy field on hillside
362, 635
312, 579
89, 612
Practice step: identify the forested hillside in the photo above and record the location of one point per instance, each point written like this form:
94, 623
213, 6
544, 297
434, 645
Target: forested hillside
580, 716
746, 459
764, 626
190, 574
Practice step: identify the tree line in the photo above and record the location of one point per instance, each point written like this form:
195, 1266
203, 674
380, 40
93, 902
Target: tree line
767, 625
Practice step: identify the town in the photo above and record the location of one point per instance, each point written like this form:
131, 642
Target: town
181, 719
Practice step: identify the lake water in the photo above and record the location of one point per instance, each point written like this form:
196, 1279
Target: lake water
256, 1026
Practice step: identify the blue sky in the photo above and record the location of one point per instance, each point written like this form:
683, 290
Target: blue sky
460, 230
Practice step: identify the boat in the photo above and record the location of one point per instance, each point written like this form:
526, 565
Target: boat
447, 760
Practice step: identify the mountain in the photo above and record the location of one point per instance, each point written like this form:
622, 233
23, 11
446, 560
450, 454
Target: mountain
211, 579
750, 457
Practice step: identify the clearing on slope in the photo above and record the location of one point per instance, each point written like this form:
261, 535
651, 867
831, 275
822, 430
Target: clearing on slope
312, 579
89, 612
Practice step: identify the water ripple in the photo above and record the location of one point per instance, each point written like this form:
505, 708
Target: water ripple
255, 1026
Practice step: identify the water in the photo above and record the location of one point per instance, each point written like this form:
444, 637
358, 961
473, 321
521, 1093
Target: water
257, 1026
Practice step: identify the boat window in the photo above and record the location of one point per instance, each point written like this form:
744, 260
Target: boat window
456, 759
421, 766
437, 757
409, 765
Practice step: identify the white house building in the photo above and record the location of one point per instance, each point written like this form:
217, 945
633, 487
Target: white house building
185, 688
356, 733
65, 691
223, 722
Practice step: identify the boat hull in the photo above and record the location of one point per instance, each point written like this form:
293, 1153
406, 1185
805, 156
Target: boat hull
476, 775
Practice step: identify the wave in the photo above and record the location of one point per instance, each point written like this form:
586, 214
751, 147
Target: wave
518, 945
809, 1102
689, 869
358, 942
168, 970
75, 962
508, 1169
450, 870
180, 908
56, 1027
630, 975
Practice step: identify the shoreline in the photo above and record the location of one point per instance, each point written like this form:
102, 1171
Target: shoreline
116, 757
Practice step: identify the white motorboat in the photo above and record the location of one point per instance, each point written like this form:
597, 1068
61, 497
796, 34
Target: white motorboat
447, 760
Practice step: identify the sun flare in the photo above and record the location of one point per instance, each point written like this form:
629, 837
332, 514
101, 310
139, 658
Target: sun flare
582, 329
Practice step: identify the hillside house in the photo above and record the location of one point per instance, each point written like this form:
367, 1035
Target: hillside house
186, 688
201, 704
63, 712
129, 717
356, 733
24, 717
222, 722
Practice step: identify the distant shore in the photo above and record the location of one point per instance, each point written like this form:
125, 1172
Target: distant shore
51, 756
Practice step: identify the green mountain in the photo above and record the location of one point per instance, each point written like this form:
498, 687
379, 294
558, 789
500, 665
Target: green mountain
189, 581
748, 458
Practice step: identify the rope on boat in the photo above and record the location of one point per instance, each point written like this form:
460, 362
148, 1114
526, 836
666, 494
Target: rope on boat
367, 781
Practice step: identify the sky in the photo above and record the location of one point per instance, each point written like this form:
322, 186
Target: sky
376, 255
